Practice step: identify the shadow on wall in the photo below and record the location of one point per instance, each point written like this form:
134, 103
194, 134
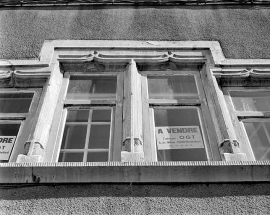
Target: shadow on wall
243, 31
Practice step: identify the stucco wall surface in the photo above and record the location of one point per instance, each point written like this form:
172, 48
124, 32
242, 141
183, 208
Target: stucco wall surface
136, 199
243, 31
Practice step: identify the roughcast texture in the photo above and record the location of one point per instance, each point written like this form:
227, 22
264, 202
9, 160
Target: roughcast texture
121, 199
243, 31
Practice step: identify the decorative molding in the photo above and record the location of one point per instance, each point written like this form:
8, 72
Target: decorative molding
229, 146
243, 77
19, 78
140, 58
130, 2
63, 47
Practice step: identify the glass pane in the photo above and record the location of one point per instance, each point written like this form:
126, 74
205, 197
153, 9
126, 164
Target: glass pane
9, 129
78, 116
101, 116
172, 87
70, 157
259, 138
8, 134
15, 102
74, 137
251, 100
99, 137
97, 157
179, 135
92, 87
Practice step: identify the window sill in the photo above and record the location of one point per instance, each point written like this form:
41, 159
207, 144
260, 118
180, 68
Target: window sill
152, 172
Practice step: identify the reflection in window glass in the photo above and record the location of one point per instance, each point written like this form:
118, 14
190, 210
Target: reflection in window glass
169, 87
86, 136
74, 136
15, 102
6, 131
91, 87
9, 129
70, 157
99, 138
97, 157
259, 138
251, 100
180, 134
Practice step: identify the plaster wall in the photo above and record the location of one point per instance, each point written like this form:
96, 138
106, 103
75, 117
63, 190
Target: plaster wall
136, 199
243, 31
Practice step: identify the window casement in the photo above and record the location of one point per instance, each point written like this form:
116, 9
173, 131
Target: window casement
248, 100
89, 126
17, 111
177, 113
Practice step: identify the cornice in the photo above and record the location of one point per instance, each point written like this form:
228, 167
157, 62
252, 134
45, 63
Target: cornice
136, 172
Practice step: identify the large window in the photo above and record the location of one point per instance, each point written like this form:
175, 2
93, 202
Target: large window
103, 114
179, 113
17, 110
90, 108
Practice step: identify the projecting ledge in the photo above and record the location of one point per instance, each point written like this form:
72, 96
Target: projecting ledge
143, 172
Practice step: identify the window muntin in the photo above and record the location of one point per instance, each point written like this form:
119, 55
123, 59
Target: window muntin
90, 108
86, 135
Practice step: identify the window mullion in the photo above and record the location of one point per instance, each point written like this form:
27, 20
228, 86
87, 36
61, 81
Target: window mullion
132, 149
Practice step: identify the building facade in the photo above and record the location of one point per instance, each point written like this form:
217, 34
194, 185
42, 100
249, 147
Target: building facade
135, 109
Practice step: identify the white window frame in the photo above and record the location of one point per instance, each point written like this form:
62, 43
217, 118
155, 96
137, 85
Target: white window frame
212, 151
115, 104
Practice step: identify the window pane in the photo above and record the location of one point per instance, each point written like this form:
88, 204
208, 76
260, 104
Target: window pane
91, 87
70, 157
86, 131
251, 100
169, 87
8, 134
101, 116
99, 137
74, 137
179, 135
259, 138
78, 116
15, 102
97, 157
9, 129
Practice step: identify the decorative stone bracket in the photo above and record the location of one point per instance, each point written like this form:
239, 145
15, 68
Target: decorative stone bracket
231, 151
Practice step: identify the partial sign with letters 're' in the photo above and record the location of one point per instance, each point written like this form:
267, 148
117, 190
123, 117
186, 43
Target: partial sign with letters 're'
179, 137
6, 145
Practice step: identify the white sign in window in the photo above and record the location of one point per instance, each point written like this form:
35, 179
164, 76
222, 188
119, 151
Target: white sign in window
6, 145
179, 137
